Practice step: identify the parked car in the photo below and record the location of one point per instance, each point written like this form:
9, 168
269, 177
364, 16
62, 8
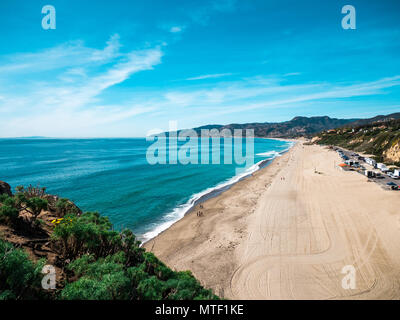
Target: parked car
392, 175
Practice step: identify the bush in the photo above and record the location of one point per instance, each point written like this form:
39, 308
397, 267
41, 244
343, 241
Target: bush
104, 279
64, 207
34, 205
20, 278
8, 211
87, 234
31, 191
110, 279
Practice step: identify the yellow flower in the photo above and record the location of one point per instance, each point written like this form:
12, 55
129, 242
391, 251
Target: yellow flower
57, 221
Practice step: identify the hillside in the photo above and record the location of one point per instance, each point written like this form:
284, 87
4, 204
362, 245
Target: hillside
91, 260
298, 126
380, 118
381, 139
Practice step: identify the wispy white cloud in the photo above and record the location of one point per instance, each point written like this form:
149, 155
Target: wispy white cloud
292, 74
208, 76
68, 55
176, 29
262, 94
70, 100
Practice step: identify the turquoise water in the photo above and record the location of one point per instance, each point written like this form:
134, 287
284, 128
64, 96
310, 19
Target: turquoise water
113, 177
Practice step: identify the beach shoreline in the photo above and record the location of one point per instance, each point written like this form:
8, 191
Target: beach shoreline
197, 199
160, 243
287, 231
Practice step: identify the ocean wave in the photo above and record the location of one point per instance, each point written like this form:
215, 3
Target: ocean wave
180, 211
272, 154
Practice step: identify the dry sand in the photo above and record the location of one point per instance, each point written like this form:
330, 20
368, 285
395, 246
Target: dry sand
269, 238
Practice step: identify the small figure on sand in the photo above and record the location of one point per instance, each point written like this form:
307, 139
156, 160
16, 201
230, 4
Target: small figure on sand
199, 213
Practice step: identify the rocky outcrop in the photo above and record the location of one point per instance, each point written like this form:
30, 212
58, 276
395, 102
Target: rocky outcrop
315, 139
68, 207
5, 188
393, 153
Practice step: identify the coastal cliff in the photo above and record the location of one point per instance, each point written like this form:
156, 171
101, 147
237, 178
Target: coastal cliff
90, 260
380, 139
392, 154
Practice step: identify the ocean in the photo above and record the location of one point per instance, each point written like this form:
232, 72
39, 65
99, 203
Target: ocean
114, 177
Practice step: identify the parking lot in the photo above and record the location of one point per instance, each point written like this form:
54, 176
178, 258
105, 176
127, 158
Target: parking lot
383, 180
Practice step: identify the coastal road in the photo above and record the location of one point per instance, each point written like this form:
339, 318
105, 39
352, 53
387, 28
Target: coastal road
312, 221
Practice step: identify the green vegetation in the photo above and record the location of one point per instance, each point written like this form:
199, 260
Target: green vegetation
97, 262
8, 210
111, 264
11, 206
20, 278
375, 139
63, 206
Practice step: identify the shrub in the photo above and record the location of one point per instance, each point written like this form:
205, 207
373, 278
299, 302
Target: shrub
87, 234
64, 207
31, 191
33, 205
8, 210
20, 278
113, 278
104, 279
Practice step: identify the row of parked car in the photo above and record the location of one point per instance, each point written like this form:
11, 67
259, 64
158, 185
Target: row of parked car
369, 173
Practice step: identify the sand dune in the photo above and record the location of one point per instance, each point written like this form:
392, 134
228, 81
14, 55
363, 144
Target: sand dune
287, 232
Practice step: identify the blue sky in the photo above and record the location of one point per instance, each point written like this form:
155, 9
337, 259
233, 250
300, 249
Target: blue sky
121, 68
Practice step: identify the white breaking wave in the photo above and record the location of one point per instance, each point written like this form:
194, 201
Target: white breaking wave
268, 154
180, 211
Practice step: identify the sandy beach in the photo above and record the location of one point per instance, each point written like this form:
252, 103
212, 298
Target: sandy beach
287, 232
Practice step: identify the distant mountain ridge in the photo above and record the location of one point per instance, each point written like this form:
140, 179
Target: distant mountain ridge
297, 127
380, 118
